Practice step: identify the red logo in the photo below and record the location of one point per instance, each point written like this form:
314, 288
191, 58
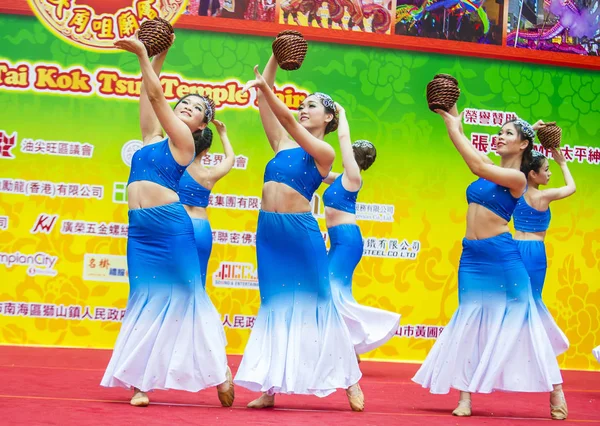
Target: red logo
44, 223
7, 143
96, 24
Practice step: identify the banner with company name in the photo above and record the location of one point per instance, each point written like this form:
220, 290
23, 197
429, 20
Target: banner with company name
69, 128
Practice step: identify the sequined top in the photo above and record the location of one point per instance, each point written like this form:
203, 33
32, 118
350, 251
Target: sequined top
528, 219
155, 163
296, 169
191, 193
339, 198
495, 198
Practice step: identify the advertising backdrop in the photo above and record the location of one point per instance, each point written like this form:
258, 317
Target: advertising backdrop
69, 127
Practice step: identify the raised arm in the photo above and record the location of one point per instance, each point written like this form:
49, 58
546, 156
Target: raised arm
179, 133
149, 124
330, 178
569, 188
454, 112
351, 179
217, 172
273, 129
318, 149
513, 179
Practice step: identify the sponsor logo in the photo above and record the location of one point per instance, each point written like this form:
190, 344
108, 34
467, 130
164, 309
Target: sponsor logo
98, 229
105, 267
50, 189
51, 310
129, 149
236, 275
209, 160
238, 321
44, 223
371, 212
57, 148
97, 24
39, 263
7, 143
419, 331
120, 192
391, 248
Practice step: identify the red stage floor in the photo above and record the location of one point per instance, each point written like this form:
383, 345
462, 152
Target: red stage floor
42, 386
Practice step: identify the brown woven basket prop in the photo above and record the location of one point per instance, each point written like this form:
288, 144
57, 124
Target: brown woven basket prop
442, 92
156, 35
290, 49
550, 135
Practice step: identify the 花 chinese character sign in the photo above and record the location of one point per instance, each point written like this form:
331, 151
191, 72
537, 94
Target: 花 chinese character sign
97, 24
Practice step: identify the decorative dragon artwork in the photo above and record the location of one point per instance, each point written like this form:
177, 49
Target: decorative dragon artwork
380, 23
578, 23
410, 14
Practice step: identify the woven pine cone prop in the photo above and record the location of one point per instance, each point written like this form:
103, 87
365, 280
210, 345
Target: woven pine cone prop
290, 49
156, 35
442, 92
550, 135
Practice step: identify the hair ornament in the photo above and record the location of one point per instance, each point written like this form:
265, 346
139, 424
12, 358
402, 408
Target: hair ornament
526, 128
361, 143
326, 100
209, 111
535, 153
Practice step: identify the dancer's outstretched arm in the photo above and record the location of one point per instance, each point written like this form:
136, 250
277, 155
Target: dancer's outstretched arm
179, 133
217, 172
569, 188
320, 150
273, 128
351, 179
149, 125
511, 178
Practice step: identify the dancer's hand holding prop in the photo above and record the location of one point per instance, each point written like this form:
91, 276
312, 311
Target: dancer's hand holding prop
133, 45
558, 156
220, 126
453, 120
258, 83
539, 125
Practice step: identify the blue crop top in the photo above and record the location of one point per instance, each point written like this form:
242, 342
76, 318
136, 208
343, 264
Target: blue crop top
155, 163
296, 169
339, 198
495, 198
528, 219
191, 193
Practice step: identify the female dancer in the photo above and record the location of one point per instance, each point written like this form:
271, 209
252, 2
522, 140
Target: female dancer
299, 343
170, 336
194, 190
495, 339
369, 327
532, 218
198, 181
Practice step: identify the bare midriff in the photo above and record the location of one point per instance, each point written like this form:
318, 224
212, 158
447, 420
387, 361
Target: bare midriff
335, 217
530, 236
196, 212
280, 198
145, 194
482, 223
